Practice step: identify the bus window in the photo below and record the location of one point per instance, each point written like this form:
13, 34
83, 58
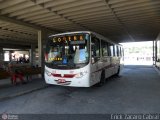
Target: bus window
122, 52
111, 47
115, 50
118, 51
95, 42
67, 51
109, 50
104, 47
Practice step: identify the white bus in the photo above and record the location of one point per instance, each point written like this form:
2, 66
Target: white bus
81, 59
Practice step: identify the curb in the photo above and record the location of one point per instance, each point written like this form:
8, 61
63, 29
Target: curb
23, 93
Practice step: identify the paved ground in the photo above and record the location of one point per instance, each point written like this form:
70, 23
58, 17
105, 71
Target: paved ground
7, 90
137, 90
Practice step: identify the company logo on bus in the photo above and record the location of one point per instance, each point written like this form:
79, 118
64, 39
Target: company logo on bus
61, 81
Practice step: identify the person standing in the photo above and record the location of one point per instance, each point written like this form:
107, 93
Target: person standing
15, 73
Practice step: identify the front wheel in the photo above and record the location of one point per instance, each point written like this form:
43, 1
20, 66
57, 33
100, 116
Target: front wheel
102, 80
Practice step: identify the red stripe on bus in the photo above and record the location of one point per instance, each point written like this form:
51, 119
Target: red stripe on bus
65, 75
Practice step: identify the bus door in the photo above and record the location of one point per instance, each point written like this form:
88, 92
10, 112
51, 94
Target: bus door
95, 58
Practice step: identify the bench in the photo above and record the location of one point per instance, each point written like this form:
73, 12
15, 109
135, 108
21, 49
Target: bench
4, 74
29, 72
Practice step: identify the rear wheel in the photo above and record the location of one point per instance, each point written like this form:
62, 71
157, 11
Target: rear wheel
117, 74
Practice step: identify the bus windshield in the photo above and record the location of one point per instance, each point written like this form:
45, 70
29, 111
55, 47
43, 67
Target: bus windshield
67, 51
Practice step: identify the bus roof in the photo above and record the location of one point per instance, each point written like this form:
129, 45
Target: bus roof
89, 32
67, 33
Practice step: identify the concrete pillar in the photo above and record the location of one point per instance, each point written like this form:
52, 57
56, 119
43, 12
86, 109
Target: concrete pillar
1, 54
32, 55
41, 43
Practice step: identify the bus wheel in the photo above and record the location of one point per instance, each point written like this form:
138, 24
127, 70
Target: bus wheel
117, 74
102, 80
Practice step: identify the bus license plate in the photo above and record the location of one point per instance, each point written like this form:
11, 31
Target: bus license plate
61, 80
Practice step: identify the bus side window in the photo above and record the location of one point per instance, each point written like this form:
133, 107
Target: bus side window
121, 51
115, 50
118, 52
104, 48
109, 50
95, 46
111, 47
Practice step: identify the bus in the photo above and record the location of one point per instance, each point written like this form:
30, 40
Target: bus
81, 59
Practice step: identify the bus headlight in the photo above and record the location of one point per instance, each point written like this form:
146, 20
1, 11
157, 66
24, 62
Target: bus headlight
48, 73
81, 74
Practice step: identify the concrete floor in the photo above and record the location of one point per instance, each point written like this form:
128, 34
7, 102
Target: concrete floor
137, 90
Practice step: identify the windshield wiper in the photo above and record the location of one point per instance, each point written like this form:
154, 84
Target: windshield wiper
62, 65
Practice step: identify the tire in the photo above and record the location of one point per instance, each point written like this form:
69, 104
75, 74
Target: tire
102, 80
117, 74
